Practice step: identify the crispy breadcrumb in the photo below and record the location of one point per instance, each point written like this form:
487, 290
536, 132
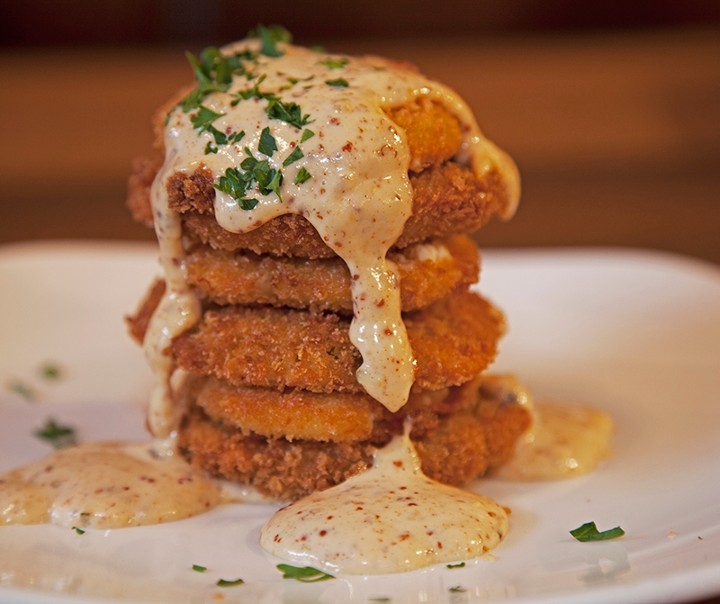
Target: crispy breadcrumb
427, 273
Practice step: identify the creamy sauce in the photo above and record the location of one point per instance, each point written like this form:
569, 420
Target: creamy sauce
390, 518
105, 485
358, 195
178, 310
565, 441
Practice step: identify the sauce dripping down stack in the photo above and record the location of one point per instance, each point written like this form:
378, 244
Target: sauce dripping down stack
311, 211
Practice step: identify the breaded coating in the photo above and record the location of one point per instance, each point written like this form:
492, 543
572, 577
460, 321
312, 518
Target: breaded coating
338, 416
428, 272
452, 340
140, 180
433, 134
447, 200
276, 467
461, 447
138, 322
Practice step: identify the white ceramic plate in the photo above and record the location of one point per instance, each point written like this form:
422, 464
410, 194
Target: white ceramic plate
636, 334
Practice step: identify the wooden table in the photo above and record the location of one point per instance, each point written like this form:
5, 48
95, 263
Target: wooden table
617, 137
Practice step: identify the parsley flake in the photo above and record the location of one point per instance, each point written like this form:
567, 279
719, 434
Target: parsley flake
589, 532
286, 112
57, 435
338, 83
267, 145
257, 171
22, 389
307, 133
302, 176
293, 157
305, 574
199, 568
458, 589
276, 108
214, 72
51, 371
236, 137
235, 184
269, 38
335, 63
203, 121
249, 93
78, 530
229, 582
204, 117
458, 565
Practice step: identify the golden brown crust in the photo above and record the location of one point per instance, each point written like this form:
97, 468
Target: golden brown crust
447, 199
138, 322
337, 417
236, 278
277, 468
460, 447
452, 340
432, 133
141, 179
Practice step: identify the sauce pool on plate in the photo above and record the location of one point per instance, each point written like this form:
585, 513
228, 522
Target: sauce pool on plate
105, 485
390, 518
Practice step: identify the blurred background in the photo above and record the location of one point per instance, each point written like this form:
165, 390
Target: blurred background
611, 109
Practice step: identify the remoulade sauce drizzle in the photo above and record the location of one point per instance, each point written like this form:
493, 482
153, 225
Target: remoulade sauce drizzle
390, 518
564, 440
105, 485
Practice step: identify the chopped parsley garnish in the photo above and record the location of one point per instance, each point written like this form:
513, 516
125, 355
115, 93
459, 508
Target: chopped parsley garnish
249, 93
57, 435
78, 530
259, 171
235, 183
204, 118
21, 389
50, 371
267, 145
335, 63
305, 574
216, 73
199, 568
276, 109
269, 38
213, 73
294, 81
293, 157
203, 121
229, 582
253, 173
589, 532
287, 112
458, 565
338, 83
302, 176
